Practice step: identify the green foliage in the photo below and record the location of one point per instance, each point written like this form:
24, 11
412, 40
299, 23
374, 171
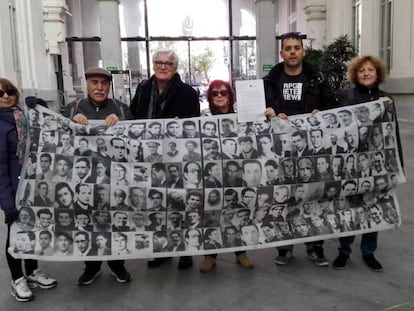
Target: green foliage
201, 65
332, 61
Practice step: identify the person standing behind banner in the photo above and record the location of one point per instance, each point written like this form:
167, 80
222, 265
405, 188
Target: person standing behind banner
98, 106
365, 73
13, 133
294, 87
221, 98
164, 95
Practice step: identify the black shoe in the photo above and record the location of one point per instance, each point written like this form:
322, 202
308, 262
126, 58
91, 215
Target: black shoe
318, 258
372, 263
121, 275
87, 277
340, 261
185, 262
156, 262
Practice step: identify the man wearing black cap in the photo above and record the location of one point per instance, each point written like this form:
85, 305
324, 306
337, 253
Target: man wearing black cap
98, 106
294, 87
164, 95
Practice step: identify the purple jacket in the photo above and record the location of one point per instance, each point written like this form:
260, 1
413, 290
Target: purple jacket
9, 164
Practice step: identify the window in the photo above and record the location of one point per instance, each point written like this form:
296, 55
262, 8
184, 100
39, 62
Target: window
356, 21
386, 31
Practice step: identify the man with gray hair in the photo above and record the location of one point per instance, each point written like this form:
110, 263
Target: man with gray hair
164, 95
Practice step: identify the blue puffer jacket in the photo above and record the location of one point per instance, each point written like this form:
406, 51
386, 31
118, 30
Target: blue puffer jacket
9, 164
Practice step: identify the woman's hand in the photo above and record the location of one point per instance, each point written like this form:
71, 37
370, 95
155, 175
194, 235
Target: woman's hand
314, 111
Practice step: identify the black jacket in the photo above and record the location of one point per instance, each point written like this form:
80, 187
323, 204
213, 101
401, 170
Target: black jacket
362, 94
318, 94
94, 112
181, 100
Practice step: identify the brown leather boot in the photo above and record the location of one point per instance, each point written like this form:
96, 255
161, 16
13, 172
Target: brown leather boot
207, 265
244, 261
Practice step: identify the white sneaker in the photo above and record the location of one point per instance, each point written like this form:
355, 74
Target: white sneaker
21, 291
38, 278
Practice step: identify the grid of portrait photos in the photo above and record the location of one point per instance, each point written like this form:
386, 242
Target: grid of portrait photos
151, 188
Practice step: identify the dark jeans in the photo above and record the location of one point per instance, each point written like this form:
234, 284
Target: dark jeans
93, 267
310, 246
235, 253
368, 243
15, 265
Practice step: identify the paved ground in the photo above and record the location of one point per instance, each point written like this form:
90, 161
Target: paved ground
299, 286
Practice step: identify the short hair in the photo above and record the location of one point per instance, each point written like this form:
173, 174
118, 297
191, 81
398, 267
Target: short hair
114, 139
121, 192
245, 139
173, 165
169, 52
345, 111
155, 191
234, 163
357, 62
152, 124
31, 235
85, 234
229, 139
208, 232
48, 233
208, 167
299, 133
188, 122
227, 120
78, 186
316, 130
158, 167
349, 182
44, 211
210, 122
191, 142
251, 161
271, 163
64, 234
209, 141
292, 35
243, 192
231, 192
194, 193
84, 139
41, 184
170, 123
46, 155
83, 159
187, 164
82, 212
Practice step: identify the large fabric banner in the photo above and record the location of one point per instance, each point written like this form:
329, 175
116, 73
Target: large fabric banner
167, 187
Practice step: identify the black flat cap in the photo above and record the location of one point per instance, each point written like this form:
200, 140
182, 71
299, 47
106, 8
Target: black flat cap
98, 72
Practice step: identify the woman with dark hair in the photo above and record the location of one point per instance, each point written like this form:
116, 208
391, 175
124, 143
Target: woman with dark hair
366, 73
221, 98
13, 133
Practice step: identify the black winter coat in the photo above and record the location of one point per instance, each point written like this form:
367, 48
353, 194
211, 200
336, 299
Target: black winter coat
181, 100
317, 91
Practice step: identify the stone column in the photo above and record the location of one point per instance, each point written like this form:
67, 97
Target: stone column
111, 40
315, 11
266, 36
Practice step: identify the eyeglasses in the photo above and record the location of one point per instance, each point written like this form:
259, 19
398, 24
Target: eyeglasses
221, 93
8, 92
159, 63
292, 34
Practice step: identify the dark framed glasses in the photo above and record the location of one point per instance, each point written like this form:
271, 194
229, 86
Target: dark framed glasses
10, 92
221, 93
